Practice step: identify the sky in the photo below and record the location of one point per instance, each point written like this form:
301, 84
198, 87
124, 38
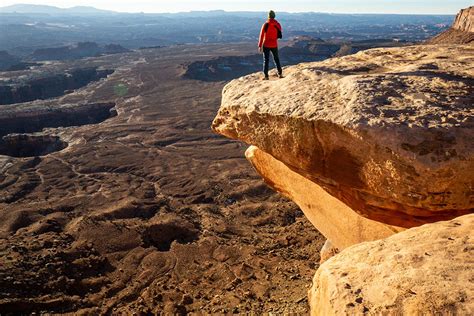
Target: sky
335, 6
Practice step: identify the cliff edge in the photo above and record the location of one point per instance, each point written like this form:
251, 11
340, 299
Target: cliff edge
371, 147
461, 32
465, 20
386, 131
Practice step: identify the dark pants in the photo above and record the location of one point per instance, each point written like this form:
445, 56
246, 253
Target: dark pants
266, 59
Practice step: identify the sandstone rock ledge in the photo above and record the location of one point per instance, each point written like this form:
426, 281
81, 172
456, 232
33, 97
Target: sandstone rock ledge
427, 270
386, 131
335, 220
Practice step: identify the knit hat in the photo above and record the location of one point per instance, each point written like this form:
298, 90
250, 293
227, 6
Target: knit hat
271, 14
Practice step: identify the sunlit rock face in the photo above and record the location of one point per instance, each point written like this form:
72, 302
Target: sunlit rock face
388, 132
426, 270
461, 32
334, 219
465, 20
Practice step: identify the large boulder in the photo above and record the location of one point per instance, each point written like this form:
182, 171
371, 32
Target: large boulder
386, 131
427, 270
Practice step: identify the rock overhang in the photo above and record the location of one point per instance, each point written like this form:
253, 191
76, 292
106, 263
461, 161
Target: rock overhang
387, 131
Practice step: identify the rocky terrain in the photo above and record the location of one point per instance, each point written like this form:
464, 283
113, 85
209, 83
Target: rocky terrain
117, 198
146, 211
369, 145
461, 32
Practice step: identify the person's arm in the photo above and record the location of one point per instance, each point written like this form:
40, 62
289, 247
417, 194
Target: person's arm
262, 35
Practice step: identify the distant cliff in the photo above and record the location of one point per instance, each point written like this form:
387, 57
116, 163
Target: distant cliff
50, 85
465, 20
461, 32
81, 50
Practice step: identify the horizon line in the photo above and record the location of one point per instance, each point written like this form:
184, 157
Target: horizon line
226, 11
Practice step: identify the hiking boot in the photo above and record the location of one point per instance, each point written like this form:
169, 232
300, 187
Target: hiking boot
280, 76
265, 78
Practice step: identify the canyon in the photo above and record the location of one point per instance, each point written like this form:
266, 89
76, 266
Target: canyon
124, 200
116, 197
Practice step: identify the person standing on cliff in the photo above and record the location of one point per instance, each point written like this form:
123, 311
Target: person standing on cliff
268, 43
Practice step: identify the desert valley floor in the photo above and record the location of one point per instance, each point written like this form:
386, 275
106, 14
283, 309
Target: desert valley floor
148, 211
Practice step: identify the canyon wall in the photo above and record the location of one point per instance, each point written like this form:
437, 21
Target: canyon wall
18, 120
461, 32
465, 20
50, 86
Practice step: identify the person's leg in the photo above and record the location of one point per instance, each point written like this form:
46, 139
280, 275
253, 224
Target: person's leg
266, 60
276, 58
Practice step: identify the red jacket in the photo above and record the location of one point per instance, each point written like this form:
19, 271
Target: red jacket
269, 38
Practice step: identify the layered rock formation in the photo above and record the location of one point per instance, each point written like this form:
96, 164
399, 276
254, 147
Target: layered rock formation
334, 219
24, 145
425, 270
29, 119
385, 131
78, 51
465, 20
50, 85
461, 32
